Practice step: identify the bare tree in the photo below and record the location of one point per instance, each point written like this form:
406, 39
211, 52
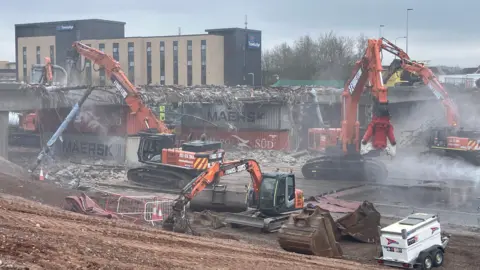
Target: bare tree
330, 57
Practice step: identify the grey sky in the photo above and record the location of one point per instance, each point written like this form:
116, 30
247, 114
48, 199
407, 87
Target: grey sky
444, 32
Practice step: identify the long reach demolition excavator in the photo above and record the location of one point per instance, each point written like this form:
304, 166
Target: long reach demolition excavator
274, 198
346, 159
450, 138
166, 164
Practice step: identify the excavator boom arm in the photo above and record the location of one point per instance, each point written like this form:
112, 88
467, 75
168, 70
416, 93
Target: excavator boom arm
124, 86
216, 171
367, 72
429, 79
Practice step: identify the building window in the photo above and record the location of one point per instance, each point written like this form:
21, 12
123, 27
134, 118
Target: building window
52, 54
101, 71
116, 54
24, 64
149, 62
131, 62
162, 62
203, 57
175, 62
38, 55
88, 69
189, 63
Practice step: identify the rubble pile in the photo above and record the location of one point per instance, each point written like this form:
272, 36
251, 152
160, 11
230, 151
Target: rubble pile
85, 173
224, 94
270, 158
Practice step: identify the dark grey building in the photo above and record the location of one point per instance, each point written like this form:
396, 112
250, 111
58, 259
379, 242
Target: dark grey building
242, 55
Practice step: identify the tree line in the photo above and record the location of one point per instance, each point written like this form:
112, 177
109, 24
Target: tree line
329, 57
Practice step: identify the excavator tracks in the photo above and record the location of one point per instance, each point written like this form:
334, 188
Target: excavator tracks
345, 168
174, 178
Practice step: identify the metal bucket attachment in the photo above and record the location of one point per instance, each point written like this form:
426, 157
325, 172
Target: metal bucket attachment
362, 224
312, 232
219, 199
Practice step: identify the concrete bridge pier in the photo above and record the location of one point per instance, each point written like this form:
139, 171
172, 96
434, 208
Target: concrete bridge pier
4, 134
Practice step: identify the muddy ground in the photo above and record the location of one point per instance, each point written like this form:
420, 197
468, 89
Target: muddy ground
35, 236
114, 244
43, 237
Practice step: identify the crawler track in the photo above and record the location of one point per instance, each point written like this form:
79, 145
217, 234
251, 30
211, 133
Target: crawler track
340, 168
161, 176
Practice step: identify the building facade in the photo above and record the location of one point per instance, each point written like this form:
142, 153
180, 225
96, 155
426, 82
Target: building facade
229, 56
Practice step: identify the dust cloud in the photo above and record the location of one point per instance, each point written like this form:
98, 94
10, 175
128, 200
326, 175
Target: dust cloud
412, 161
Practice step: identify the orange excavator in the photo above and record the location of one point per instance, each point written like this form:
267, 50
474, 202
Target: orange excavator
346, 158
351, 163
274, 196
451, 138
166, 164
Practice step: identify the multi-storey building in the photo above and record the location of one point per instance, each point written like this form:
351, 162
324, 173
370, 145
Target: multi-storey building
229, 56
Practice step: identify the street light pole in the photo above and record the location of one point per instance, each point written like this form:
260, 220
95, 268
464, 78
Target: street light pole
406, 49
380, 30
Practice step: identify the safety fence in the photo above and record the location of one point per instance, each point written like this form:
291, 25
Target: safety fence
138, 209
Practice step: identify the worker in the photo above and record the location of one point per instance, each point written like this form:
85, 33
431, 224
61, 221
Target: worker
381, 130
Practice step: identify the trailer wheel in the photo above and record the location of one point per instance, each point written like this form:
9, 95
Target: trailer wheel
425, 261
438, 258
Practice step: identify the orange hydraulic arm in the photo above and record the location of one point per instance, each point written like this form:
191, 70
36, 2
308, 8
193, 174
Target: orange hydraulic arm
124, 86
366, 74
47, 76
429, 79
214, 173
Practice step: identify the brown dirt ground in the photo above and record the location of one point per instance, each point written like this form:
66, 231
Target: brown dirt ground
43, 237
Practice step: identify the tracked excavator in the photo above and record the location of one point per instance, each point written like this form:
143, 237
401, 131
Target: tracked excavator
451, 138
166, 164
346, 158
274, 196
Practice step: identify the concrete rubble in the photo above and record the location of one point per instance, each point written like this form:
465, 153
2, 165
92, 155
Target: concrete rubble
155, 95
269, 158
90, 172
246, 94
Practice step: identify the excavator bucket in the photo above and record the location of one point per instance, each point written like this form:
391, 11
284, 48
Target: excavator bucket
311, 232
362, 224
351, 168
219, 199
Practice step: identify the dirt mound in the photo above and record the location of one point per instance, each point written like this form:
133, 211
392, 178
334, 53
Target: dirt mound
12, 170
40, 236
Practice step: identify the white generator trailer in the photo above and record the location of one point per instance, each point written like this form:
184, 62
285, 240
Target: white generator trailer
413, 242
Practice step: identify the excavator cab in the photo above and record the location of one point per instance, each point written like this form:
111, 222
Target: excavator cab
277, 193
277, 199
151, 145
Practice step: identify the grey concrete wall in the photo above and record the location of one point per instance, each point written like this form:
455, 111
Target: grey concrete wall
4, 134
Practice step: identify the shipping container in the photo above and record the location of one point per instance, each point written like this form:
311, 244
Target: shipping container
81, 145
267, 140
248, 116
